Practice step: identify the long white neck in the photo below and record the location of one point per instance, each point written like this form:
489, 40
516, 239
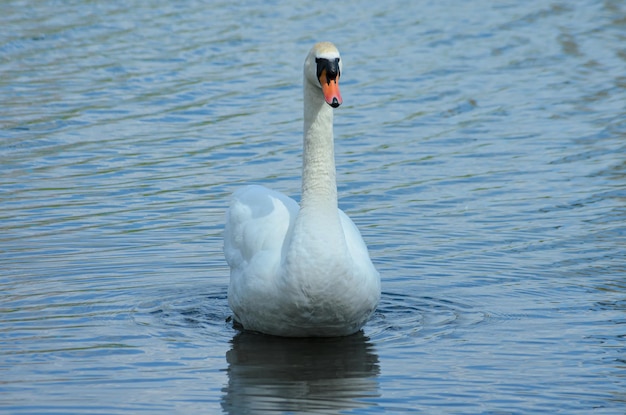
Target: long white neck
319, 186
317, 247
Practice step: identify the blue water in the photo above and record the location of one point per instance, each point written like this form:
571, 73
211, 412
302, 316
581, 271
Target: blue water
480, 149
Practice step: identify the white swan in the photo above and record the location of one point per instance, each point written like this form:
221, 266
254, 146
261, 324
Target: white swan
301, 271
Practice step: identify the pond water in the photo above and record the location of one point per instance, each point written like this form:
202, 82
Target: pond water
480, 149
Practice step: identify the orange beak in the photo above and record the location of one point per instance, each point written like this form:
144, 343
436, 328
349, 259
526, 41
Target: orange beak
330, 89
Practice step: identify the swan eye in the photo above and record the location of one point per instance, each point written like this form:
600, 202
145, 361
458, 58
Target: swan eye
330, 66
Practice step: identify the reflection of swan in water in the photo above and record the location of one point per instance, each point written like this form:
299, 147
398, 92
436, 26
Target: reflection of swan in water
319, 375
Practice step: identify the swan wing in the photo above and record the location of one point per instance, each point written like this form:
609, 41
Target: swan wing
356, 245
366, 287
257, 223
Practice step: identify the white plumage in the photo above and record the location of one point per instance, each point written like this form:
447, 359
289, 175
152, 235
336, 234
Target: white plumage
301, 270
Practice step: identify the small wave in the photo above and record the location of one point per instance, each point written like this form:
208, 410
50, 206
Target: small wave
402, 318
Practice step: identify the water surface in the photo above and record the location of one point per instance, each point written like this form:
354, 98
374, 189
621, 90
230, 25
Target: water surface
480, 150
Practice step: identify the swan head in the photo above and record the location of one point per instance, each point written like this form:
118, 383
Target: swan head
322, 68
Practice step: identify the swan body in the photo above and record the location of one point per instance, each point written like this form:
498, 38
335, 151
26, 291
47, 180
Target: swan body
301, 270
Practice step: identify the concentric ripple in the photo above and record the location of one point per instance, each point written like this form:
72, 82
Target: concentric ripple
400, 318
191, 314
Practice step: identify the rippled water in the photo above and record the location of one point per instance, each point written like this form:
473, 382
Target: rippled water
480, 149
